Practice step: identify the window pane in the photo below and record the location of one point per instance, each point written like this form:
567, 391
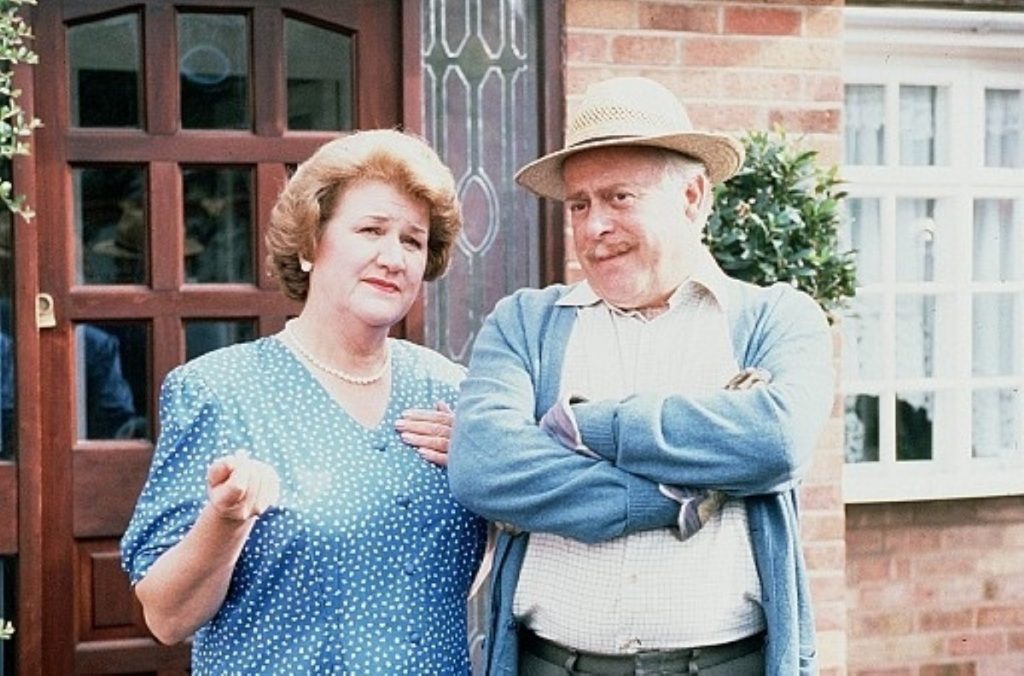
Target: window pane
201, 336
7, 337
319, 77
996, 424
924, 126
104, 65
996, 240
112, 383
864, 124
915, 240
865, 237
914, 416
862, 337
213, 61
861, 427
1003, 122
218, 224
915, 336
111, 225
994, 331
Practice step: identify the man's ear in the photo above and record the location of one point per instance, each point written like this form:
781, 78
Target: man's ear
695, 192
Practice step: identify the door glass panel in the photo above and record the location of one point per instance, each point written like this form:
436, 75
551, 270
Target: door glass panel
201, 336
864, 124
110, 225
112, 380
104, 66
996, 423
1004, 126
319, 63
213, 64
7, 381
218, 224
480, 108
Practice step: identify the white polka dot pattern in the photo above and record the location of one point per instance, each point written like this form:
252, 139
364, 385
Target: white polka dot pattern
365, 565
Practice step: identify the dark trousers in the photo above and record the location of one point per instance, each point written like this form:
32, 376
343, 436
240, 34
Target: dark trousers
538, 657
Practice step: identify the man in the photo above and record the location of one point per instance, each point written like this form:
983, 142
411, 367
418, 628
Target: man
599, 422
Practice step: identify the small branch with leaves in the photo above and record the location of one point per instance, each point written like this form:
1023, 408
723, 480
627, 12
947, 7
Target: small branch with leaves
15, 126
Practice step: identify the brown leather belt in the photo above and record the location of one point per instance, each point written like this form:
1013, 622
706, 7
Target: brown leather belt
646, 661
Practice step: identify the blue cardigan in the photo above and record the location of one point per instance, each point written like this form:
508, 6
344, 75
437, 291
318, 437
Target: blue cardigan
755, 444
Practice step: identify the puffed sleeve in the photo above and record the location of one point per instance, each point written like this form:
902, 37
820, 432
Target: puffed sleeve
194, 432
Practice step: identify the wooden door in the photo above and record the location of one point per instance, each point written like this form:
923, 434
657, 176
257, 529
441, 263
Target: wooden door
169, 130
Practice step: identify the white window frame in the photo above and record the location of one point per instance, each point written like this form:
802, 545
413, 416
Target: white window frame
967, 52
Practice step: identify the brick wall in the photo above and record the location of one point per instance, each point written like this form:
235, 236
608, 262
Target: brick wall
936, 588
741, 65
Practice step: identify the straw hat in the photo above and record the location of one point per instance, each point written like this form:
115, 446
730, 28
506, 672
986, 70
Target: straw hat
632, 111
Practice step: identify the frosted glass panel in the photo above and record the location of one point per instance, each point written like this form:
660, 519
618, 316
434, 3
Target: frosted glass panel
480, 106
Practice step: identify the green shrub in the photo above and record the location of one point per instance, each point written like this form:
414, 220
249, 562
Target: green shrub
777, 220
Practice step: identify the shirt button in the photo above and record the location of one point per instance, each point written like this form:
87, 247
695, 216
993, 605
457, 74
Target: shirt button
403, 500
382, 447
409, 568
415, 637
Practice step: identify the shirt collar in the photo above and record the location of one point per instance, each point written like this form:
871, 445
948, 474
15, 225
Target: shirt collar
706, 274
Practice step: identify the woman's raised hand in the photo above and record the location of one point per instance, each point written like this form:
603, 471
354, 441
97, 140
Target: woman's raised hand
240, 487
428, 431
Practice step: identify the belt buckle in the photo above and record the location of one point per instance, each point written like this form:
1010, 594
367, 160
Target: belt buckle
661, 661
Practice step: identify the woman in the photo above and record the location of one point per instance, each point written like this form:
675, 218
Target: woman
330, 543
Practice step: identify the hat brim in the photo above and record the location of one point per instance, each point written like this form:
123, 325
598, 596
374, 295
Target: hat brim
111, 247
722, 155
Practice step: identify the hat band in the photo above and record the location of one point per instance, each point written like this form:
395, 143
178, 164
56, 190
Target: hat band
600, 139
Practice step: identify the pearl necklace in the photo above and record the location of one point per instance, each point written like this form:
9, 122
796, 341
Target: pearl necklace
338, 373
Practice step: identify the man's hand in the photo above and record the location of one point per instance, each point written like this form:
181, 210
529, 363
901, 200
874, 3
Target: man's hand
240, 487
560, 423
748, 378
428, 431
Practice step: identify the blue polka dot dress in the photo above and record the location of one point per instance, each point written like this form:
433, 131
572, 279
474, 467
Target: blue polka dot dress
364, 567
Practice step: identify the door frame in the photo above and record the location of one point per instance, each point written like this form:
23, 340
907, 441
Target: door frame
46, 645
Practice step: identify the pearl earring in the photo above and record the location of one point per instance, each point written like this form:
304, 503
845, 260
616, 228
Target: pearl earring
305, 265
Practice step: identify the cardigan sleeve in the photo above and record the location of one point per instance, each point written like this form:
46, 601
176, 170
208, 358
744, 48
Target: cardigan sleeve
504, 467
750, 442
